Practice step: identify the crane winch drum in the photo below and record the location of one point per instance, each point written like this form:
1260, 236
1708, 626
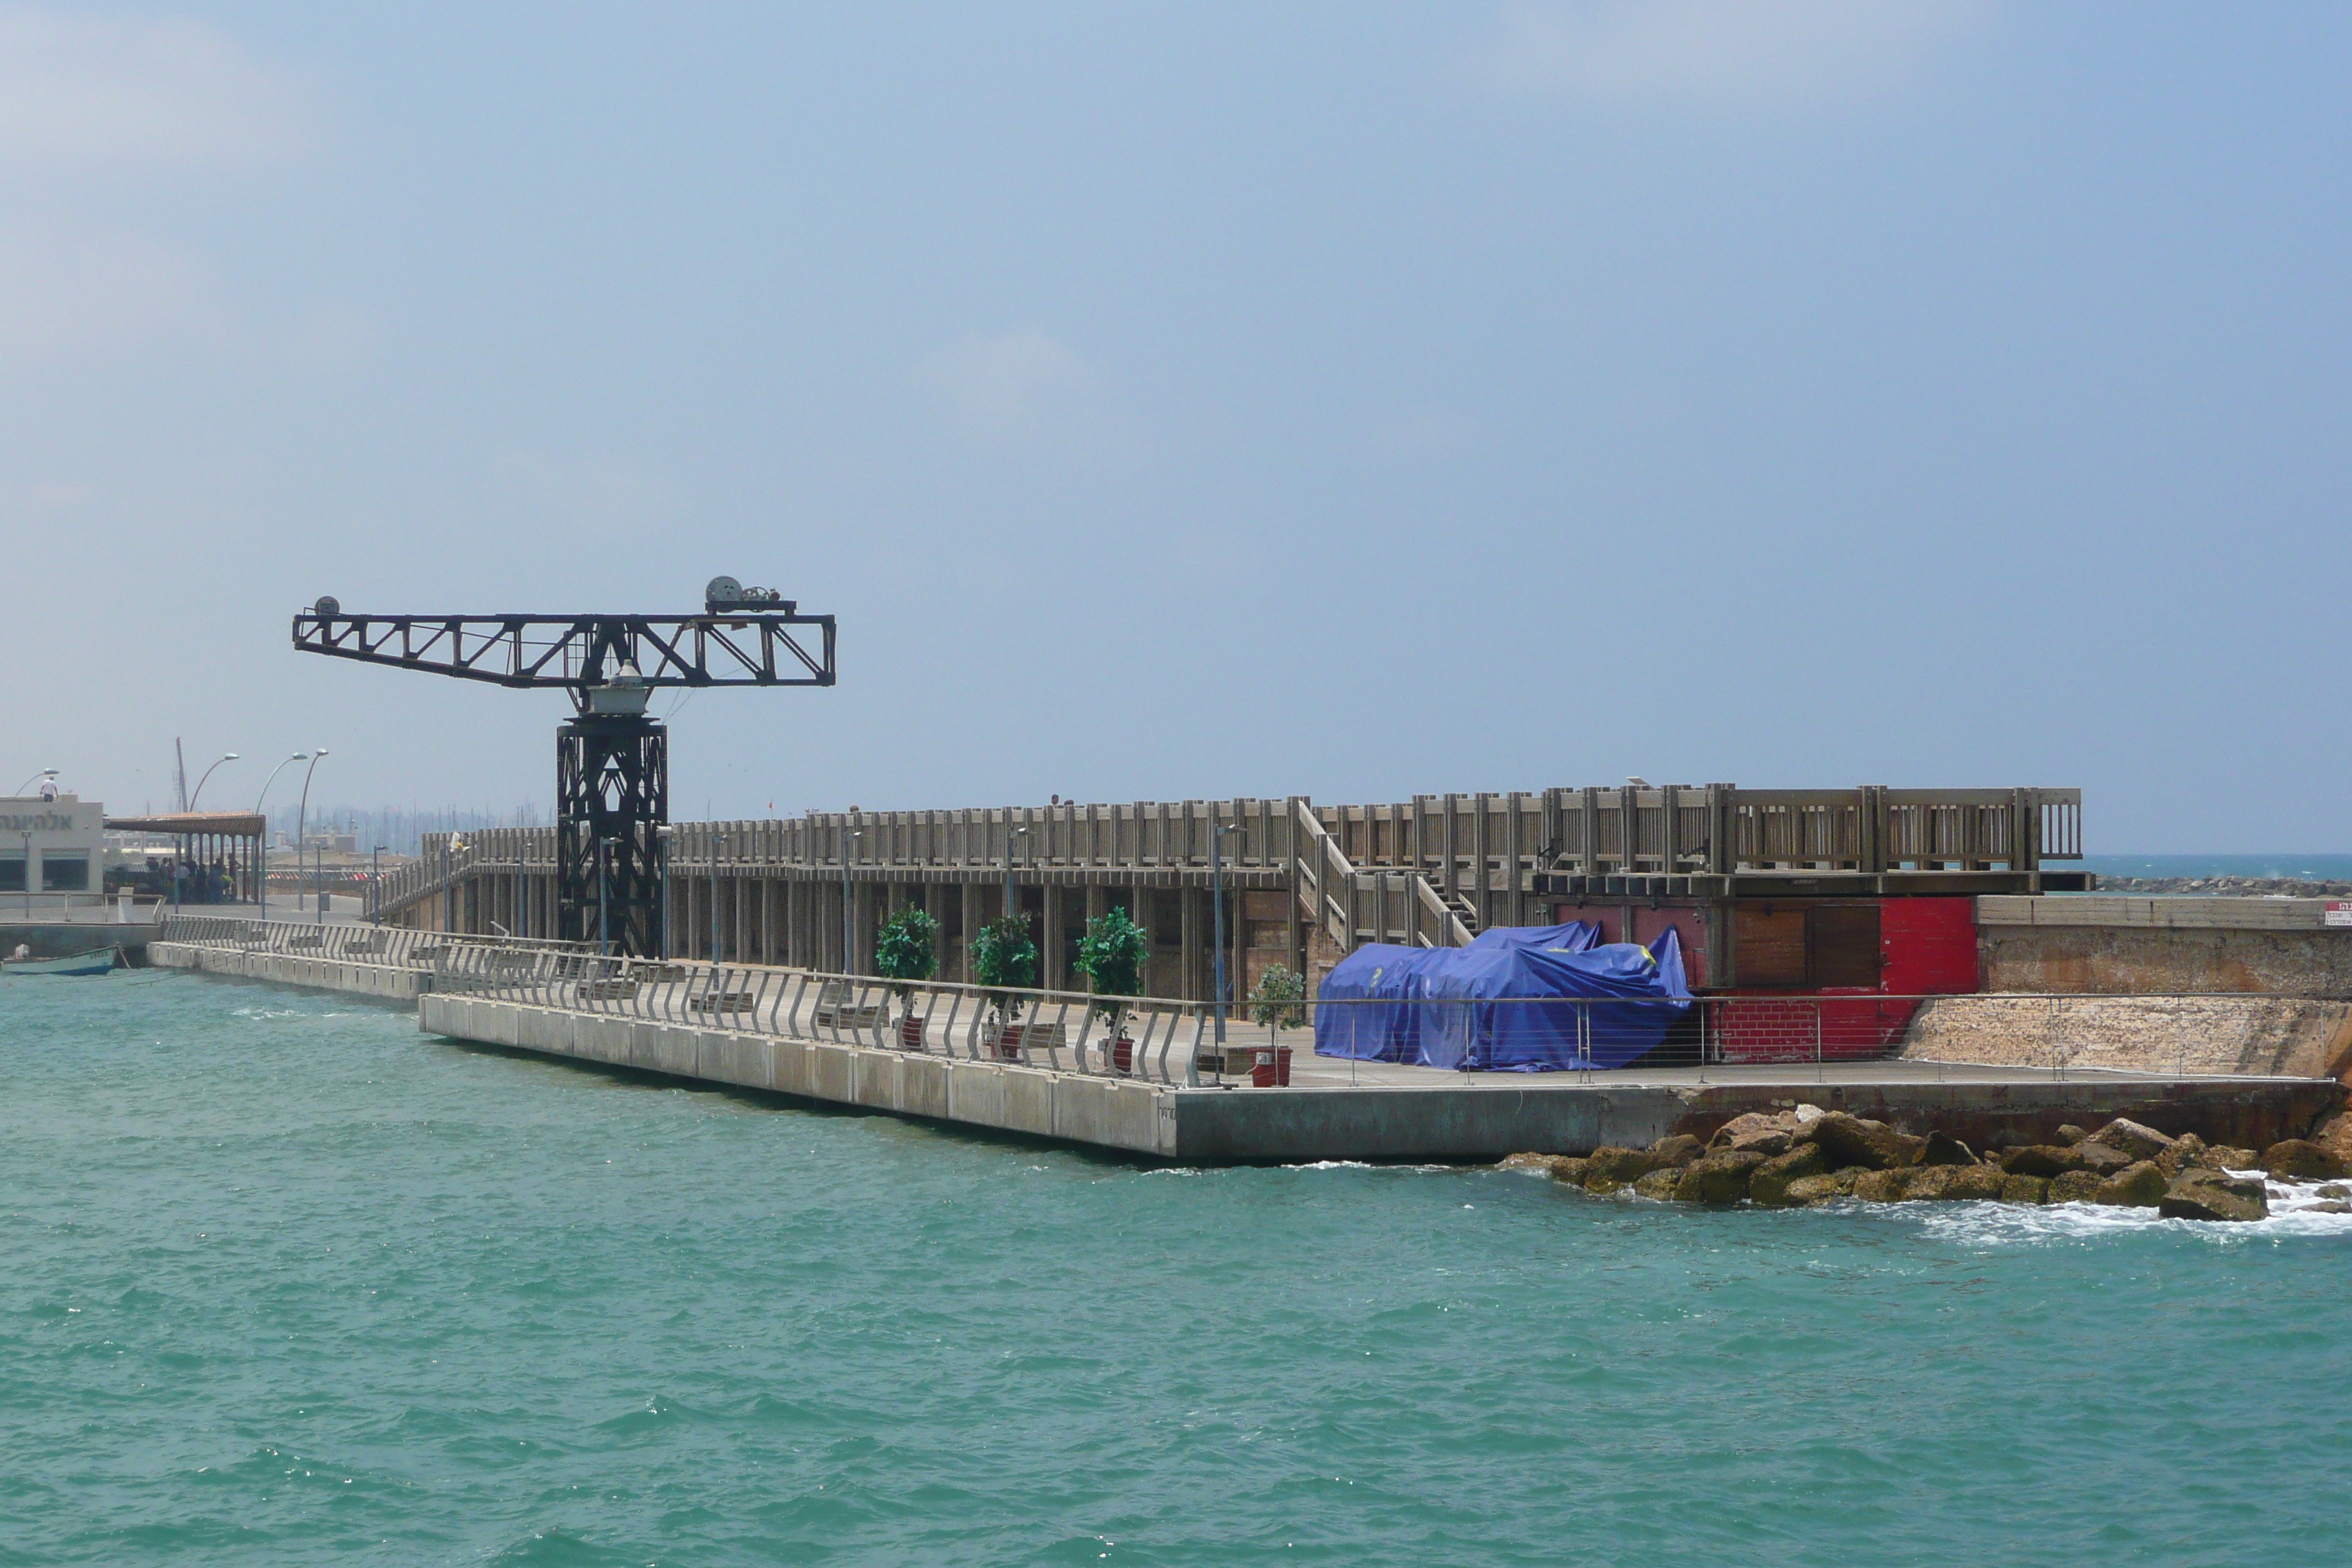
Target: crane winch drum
612, 759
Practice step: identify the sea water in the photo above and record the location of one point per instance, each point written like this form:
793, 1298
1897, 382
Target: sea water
286, 1282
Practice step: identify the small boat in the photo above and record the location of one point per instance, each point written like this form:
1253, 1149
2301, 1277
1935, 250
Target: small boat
97, 961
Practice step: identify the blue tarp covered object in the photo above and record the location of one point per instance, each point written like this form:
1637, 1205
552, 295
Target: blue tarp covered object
1574, 1000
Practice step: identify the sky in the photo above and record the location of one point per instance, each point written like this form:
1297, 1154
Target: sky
1188, 401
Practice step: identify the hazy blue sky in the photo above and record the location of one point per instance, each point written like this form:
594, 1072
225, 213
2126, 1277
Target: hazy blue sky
1184, 401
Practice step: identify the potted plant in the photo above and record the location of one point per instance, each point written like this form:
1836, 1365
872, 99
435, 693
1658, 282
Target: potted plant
1004, 960
1110, 955
1278, 1002
905, 949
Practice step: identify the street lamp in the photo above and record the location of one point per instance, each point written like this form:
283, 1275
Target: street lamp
848, 961
663, 836
44, 773
226, 757
1217, 908
296, 757
301, 831
375, 882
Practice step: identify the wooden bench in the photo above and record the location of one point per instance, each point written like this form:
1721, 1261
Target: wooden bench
308, 939
720, 1002
607, 990
837, 1007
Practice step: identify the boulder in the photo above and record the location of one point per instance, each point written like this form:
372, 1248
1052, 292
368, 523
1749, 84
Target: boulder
2333, 1205
2073, 1187
1720, 1178
1975, 1184
1623, 1166
1750, 1121
2070, 1135
1769, 1183
1659, 1183
2139, 1142
1923, 1182
1675, 1151
2221, 1157
2044, 1160
2024, 1189
2299, 1160
2139, 1185
2199, 1193
1848, 1140
2181, 1155
1766, 1141
1573, 1171
1539, 1163
2334, 1190
1943, 1148
2335, 1135
1821, 1189
1602, 1186
2099, 1159
1882, 1186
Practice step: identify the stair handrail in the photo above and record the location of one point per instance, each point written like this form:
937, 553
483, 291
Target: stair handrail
1450, 920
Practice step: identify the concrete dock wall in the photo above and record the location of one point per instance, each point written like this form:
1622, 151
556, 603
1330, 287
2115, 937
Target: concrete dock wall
386, 981
1109, 1113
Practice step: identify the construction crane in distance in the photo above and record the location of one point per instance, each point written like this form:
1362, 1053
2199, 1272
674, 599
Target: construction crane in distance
612, 762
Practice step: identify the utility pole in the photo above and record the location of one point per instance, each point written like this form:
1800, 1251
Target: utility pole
1217, 831
849, 929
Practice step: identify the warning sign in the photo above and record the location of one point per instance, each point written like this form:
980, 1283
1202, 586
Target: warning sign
2339, 914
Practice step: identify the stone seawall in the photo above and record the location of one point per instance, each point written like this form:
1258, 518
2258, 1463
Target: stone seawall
2264, 1035
389, 983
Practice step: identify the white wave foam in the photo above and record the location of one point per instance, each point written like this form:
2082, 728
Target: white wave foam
2008, 1225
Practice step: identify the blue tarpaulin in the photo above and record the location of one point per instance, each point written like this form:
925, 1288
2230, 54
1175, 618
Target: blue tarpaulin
1572, 1001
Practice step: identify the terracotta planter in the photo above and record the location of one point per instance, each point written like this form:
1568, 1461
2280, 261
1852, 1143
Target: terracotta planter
910, 1033
1122, 1055
1272, 1069
1008, 1042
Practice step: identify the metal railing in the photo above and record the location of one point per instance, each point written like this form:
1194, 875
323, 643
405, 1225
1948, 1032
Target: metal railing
397, 946
1154, 1039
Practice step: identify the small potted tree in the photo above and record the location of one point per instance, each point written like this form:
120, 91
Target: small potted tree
1278, 1002
905, 951
1004, 959
1110, 955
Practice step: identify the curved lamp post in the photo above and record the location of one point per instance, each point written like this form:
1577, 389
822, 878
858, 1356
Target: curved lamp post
296, 757
301, 831
226, 757
44, 773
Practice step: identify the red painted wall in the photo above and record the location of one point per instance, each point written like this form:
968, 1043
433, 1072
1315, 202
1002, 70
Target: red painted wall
1929, 946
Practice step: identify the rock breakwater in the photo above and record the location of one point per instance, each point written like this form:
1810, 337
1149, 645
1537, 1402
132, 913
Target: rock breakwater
1807, 1156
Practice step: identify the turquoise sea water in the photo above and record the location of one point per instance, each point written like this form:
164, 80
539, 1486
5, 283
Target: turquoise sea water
286, 1283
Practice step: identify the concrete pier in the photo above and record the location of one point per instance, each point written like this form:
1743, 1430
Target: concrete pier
1332, 1109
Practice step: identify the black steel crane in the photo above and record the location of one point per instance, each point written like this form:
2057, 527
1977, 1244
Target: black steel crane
612, 762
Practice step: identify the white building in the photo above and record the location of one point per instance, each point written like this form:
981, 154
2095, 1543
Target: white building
51, 846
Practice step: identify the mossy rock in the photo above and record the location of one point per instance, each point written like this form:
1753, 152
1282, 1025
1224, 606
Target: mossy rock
2073, 1187
2025, 1189
1623, 1166
1659, 1184
1720, 1178
1943, 1148
2139, 1142
1826, 1188
2139, 1185
1573, 1170
2044, 1160
1673, 1152
2298, 1160
1975, 1184
2209, 1194
1882, 1186
1770, 1181
1849, 1140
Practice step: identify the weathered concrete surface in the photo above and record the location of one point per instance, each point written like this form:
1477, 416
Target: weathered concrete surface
1296, 1124
1449, 1118
2145, 946
2269, 1036
387, 981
